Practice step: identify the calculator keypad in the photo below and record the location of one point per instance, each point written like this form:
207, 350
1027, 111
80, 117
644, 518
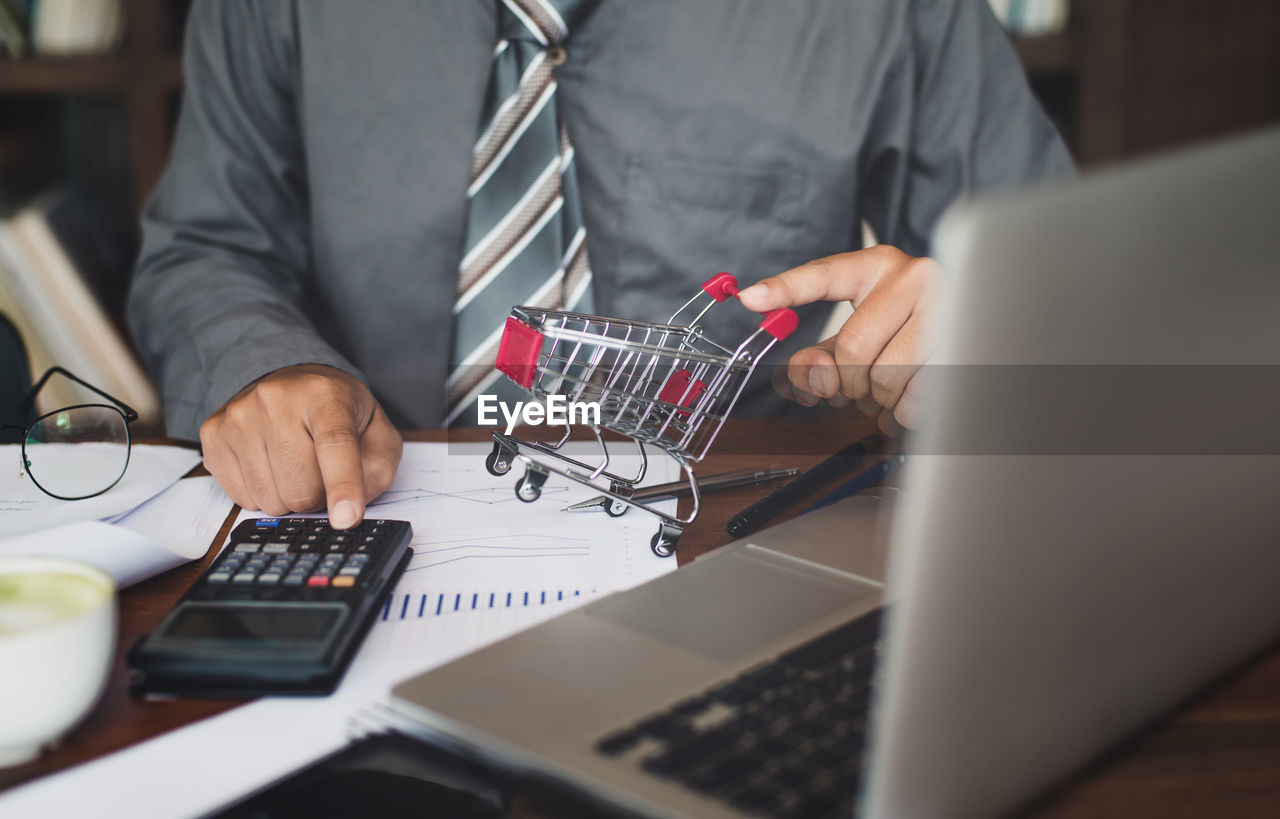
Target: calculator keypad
299, 554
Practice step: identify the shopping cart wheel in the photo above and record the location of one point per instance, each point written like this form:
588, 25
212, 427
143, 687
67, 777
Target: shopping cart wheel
529, 488
498, 462
663, 542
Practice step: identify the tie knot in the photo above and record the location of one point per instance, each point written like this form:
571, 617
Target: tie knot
546, 21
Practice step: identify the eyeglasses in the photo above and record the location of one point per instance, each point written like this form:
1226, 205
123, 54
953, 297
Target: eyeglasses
78, 451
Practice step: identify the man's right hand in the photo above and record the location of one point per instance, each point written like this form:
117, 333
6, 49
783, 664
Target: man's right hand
300, 439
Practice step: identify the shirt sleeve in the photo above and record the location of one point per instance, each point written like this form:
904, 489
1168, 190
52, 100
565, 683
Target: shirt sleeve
217, 295
955, 116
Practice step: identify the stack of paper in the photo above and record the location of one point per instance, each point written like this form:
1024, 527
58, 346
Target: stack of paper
485, 566
148, 523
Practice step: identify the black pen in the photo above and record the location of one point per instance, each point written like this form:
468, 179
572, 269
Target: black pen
771, 505
861, 481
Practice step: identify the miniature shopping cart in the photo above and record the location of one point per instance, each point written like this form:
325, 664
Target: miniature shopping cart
665, 385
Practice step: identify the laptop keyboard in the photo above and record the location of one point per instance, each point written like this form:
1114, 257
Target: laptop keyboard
782, 739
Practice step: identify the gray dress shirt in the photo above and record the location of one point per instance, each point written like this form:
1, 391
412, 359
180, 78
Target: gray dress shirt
314, 207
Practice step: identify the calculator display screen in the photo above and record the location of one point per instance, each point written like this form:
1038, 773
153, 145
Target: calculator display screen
254, 624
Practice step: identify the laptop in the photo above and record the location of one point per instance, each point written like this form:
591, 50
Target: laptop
1085, 536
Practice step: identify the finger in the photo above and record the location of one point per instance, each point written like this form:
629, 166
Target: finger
845, 276
839, 401
868, 407
335, 436
909, 407
292, 459
811, 372
897, 362
222, 465
783, 387
255, 470
240, 429
381, 449
864, 336
887, 425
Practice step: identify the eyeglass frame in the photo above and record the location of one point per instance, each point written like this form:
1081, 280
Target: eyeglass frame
128, 413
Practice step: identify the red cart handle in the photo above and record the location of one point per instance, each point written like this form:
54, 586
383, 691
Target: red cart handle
721, 286
777, 323
780, 323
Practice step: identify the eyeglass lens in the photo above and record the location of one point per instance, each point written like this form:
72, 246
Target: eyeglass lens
78, 452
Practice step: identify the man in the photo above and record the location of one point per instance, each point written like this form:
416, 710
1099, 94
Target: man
301, 255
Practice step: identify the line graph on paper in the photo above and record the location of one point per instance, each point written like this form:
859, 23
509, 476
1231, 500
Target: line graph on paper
470, 530
481, 496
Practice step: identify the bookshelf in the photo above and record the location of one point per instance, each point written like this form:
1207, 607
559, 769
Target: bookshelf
1131, 77
144, 75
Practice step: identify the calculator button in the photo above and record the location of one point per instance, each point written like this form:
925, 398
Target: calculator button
294, 580
340, 539
243, 577
264, 522
276, 548
269, 578
246, 547
337, 547
317, 580
219, 577
359, 559
349, 571
341, 582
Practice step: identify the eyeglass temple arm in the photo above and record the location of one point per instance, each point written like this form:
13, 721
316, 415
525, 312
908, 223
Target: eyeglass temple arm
130, 414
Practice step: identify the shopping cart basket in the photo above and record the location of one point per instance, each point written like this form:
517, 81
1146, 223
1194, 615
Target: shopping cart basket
665, 385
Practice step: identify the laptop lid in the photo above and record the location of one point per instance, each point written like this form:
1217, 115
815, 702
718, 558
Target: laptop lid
1088, 532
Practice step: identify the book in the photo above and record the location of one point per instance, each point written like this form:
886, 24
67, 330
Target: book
1032, 17
55, 309
77, 26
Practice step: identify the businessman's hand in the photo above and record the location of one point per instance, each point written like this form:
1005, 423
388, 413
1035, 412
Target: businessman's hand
875, 357
302, 438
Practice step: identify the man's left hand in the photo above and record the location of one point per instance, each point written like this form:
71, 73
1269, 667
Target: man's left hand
874, 358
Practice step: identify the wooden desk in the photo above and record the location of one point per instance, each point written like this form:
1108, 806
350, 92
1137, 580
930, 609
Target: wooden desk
1216, 755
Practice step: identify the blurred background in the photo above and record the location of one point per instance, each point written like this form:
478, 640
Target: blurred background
89, 91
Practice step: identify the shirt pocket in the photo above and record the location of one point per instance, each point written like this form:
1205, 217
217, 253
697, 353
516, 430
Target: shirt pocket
684, 221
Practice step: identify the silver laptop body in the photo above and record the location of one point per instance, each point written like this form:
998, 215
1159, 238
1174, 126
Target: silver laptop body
1084, 537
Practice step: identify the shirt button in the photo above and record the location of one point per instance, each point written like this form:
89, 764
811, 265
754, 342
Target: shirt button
556, 55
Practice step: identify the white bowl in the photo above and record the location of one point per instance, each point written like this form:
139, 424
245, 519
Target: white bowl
57, 638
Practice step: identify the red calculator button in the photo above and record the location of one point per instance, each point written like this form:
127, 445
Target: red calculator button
317, 581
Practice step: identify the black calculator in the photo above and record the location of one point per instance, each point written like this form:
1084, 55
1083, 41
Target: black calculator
282, 610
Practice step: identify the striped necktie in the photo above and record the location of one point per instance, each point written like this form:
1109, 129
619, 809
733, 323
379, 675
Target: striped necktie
525, 240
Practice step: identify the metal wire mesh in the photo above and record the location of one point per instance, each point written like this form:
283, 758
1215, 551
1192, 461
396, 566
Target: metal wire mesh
661, 384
